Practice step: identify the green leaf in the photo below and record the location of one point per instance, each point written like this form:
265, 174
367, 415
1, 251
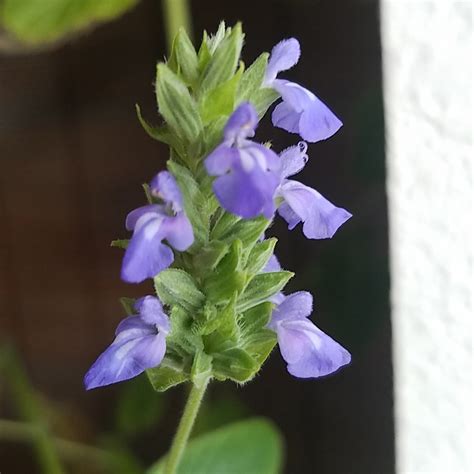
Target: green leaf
162, 134
262, 287
201, 370
186, 57
259, 255
176, 287
164, 377
252, 78
34, 22
220, 100
235, 364
128, 305
120, 243
176, 104
138, 407
253, 446
262, 99
224, 61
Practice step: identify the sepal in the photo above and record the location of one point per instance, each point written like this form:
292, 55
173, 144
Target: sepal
186, 58
228, 278
252, 79
235, 364
176, 105
164, 377
261, 288
220, 101
197, 205
259, 255
176, 287
223, 63
262, 99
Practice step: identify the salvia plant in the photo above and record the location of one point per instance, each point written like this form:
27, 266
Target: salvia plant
219, 308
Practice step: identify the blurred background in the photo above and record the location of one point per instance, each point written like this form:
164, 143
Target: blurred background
73, 158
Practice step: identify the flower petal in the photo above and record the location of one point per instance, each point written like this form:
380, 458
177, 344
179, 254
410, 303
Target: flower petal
241, 123
297, 97
321, 218
164, 186
151, 312
220, 160
285, 117
320, 355
315, 120
293, 159
152, 210
247, 194
297, 305
284, 56
318, 122
289, 215
179, 231
125, 359
146, 256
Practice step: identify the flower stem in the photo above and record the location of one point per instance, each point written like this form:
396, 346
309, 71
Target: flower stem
177, 14
184, 428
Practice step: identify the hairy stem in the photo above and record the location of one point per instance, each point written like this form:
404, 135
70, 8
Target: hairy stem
177, 14
184, 428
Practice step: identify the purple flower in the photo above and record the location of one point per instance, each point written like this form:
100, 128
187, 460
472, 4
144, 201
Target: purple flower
140, 344
320, 217
146, 255
301, 111
308, 351
247, 171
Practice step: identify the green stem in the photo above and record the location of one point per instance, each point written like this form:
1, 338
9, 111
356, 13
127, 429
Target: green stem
30, 410
177, 14
20, 431
184, 429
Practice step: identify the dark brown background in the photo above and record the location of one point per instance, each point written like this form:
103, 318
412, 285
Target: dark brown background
73, 157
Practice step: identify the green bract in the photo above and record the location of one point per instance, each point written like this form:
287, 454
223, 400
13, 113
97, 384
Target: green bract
215, 292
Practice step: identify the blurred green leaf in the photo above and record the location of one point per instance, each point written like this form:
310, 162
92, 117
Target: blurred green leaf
138, 408
37, 22
248, 447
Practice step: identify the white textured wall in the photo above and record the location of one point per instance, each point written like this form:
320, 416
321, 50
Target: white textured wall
427, 51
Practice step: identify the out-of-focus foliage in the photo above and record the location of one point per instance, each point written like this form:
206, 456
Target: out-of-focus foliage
251, 446
139, 407
35, 23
